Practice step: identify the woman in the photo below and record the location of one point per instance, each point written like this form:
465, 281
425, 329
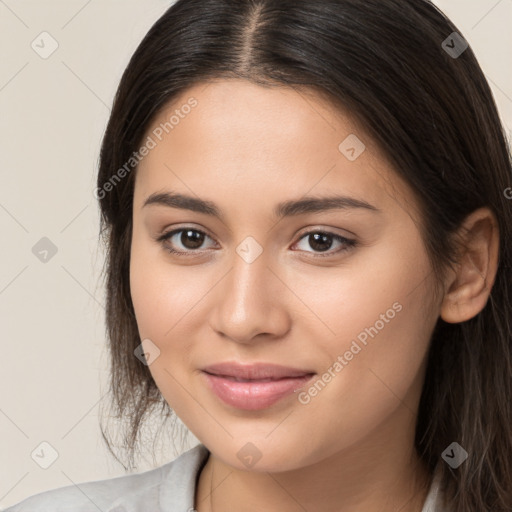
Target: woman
308, 231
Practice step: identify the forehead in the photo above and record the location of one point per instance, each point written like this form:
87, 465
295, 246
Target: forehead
240, 141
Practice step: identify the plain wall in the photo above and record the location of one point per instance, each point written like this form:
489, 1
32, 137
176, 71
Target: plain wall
52, 116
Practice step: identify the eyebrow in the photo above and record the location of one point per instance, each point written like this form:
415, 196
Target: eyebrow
285, 209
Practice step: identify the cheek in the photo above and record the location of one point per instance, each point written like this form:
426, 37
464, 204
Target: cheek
161, 293
162, 297
168, 301
379, 333
377, 293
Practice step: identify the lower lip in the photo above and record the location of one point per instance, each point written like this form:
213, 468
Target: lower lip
253, 395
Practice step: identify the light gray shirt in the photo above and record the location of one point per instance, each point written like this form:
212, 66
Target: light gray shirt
168, 488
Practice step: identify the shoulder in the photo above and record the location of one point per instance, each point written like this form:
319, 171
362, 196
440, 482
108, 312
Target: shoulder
151, 490
435, 498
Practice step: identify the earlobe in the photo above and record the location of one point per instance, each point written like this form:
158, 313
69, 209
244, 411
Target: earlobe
470, 285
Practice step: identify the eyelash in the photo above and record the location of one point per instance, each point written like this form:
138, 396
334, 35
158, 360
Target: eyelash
349, 243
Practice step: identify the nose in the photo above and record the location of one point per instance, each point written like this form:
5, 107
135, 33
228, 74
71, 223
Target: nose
252, 299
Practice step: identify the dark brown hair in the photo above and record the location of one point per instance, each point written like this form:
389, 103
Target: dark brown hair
433, 115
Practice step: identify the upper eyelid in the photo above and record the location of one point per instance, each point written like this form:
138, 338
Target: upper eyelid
168, 234
301, 233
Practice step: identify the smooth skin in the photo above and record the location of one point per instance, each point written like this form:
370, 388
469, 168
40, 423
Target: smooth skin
247, 148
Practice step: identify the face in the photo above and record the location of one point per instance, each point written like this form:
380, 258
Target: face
337, 291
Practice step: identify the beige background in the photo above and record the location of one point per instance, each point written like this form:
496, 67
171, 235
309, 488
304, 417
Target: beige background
52, 116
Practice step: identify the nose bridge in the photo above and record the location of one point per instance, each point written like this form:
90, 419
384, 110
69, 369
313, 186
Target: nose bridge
250, 296
250, 274
248, 282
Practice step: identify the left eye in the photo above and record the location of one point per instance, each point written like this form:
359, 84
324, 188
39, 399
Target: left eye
192, 239
320, 239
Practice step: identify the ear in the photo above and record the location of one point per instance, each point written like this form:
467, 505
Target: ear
469, 286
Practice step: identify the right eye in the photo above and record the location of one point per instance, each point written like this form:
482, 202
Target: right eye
189, 238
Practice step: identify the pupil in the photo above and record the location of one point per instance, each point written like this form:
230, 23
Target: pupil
188, 235
317, 239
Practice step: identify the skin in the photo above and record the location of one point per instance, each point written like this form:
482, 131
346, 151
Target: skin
247, 148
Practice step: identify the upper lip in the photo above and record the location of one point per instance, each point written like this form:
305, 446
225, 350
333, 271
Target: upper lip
255, 371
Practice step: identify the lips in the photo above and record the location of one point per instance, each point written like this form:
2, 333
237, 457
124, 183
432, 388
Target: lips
256, 386
258, 371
